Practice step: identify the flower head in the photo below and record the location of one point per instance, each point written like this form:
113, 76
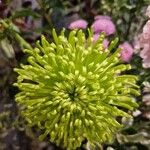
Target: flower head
72, 86
127, 51
145, 54
144, 43
78, 24
104, 24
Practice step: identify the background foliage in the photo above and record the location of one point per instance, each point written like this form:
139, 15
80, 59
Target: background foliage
24, 20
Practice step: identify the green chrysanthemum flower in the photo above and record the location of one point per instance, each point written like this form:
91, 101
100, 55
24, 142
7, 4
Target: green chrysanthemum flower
72, 89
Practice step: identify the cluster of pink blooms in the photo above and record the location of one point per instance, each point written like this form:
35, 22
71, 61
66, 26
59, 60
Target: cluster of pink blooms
104, 24
144, 42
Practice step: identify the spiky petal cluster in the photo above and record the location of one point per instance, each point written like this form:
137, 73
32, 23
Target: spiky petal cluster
72, 87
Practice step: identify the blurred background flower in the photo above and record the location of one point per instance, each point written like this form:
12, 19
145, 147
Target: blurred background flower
126, 52
78, 24
103, 24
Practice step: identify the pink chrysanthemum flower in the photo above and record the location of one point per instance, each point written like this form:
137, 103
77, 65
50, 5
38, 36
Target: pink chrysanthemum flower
103, 24
144, 43
78, 24
105, 42
127, 51
145, 54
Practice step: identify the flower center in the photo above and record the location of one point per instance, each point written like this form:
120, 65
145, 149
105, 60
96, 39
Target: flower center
73, 94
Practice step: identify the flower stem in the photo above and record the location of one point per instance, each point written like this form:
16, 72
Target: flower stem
23, 43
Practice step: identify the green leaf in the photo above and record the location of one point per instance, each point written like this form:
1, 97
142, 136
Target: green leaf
7, 48
24, 13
